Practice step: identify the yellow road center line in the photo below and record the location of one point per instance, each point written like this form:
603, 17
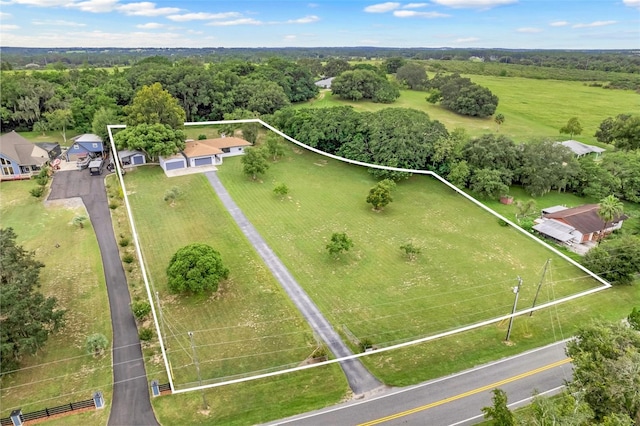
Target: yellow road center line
469, 393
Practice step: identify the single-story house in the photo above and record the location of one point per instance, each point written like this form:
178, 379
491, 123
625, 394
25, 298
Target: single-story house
229, 145
576, 225
84, 145
173, 162
52, 148
580, 149
131, 158
19, 158
201, 153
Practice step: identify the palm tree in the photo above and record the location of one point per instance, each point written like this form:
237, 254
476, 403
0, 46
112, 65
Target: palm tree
609, 209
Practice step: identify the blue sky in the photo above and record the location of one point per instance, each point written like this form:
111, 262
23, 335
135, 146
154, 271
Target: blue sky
528, 24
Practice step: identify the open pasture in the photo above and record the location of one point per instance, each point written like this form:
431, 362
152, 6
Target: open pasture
532, 108
465, 274
249, 326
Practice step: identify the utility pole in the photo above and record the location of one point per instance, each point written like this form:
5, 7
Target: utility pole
195, 360
544, 272
516, 290
164, 332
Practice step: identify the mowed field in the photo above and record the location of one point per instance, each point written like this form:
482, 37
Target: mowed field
532, 108
61, 371
248, 327
465, 274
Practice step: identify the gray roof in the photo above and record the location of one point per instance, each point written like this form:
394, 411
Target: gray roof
87, 137
580, 148
556, 230
20, 150
126, 153
326, 83
48, 146
553, 209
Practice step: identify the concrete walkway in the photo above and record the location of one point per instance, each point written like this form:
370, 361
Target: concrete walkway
131, 404
359, 378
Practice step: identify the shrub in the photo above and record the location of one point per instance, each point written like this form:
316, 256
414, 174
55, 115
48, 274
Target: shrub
96, 344
202, 137
42, 180
37, 191
128, 258
113, 206
365, 344
634, 319
145, 334
140, 309
502, 222
124, 241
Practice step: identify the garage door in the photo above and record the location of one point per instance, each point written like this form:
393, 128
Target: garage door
138, 159
174, 165
202, 161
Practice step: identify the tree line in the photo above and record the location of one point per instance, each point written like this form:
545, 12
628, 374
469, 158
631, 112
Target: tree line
487, 165
30, 101
624, 61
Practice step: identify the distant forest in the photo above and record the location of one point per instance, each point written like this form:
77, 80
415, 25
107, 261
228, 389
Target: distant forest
624, 61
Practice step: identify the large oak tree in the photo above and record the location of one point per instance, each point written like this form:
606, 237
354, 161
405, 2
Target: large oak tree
27, 317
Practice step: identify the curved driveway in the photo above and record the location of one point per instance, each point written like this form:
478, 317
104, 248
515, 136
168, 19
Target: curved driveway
131, 405
359, 378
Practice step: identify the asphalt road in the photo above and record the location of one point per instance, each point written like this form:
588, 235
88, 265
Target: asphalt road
360, 379
453, 400
131, 404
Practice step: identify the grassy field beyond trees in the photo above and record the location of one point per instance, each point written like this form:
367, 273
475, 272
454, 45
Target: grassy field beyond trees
532, 108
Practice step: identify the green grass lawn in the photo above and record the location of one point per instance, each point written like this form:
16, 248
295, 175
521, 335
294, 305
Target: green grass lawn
464, 275
249, 326
532, 108
61, 372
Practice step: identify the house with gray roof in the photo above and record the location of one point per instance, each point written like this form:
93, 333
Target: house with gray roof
580, 149
19, 158
85, 145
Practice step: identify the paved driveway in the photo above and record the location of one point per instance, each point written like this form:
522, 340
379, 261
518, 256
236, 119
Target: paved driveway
360, 379
131, 405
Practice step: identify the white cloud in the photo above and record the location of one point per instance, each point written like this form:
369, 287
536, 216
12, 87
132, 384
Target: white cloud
94, 6
58, 22
595, 24
466, 40
146, 8
150, 26
530, 30
414, 5
471, 4
559, 24
304, 20
5, 15
382, 7
290, 37
103, 39
4, 27
203, 16
242, 21
632, 3
40, 3
313, 5
415, 14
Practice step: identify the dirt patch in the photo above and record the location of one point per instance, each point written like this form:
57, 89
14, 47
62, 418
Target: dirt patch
68, 203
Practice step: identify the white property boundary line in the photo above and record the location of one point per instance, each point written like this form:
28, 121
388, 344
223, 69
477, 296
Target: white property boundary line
605, 284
